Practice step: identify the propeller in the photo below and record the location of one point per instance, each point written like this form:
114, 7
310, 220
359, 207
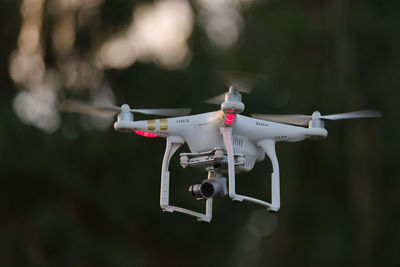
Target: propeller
239, 81
303, 120
216, 100
108, 110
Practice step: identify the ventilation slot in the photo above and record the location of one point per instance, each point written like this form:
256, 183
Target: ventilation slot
249, 164
182, 121
281, 137
237, 141
260, 123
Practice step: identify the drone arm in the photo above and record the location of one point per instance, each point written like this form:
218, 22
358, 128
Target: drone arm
173, 143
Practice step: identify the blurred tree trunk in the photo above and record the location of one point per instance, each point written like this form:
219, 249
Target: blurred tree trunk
361, 148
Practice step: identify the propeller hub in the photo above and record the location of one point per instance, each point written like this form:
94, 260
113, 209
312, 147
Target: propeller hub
125, 107
316, 115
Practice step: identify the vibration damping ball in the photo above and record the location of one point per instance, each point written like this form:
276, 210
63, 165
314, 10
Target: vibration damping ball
184, 161
241, 160
219, 154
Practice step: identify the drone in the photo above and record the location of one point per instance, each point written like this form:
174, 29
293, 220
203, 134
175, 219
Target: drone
221, 143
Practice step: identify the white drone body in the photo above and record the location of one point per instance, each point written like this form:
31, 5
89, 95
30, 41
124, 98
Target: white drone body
220, 142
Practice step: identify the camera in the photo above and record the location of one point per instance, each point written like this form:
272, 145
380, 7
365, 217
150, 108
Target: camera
209, 188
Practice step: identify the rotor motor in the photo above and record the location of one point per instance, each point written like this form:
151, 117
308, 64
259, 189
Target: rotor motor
316, 121
125, 114
233, 101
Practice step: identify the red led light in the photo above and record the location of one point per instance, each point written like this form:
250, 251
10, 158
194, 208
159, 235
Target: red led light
145, 134
229, 118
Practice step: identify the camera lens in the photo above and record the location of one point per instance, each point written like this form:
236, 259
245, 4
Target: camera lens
207, 190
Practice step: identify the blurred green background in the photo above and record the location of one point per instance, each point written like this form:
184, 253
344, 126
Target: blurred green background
73, 192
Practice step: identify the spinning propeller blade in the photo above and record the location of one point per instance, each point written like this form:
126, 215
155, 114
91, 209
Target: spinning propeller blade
107, 110
369, 113
241, 81
216, 100
303, 120
97, 109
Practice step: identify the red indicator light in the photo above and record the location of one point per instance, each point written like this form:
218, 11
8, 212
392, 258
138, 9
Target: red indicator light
145, 134
229, 118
